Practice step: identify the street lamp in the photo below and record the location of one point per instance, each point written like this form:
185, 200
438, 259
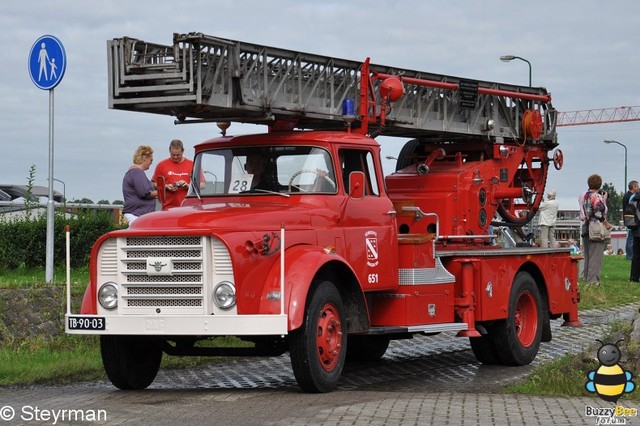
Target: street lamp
64, 193
625, 161
509, 58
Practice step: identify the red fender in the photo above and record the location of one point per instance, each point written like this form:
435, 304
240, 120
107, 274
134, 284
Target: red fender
301, 265
89, 306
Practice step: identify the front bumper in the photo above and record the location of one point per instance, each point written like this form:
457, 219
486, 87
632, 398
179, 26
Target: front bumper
183, 325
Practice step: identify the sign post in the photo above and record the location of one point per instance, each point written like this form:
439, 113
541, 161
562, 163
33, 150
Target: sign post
47, 64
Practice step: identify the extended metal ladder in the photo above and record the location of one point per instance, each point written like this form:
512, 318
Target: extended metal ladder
205, 78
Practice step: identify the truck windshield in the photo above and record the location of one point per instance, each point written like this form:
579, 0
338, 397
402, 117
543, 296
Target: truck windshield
264, 170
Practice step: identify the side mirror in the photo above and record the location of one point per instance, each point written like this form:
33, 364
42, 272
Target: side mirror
356, 185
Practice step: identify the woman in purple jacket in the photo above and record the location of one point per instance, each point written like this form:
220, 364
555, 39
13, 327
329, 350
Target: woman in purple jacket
138, 191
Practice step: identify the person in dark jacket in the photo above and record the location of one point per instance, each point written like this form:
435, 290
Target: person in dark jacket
633, 187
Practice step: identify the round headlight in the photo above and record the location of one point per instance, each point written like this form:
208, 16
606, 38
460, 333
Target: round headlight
224, 295
108, 295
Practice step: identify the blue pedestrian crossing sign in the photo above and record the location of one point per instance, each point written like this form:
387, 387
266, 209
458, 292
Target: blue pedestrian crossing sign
47, 62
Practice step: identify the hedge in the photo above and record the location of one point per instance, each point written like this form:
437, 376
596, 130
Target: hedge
23, 240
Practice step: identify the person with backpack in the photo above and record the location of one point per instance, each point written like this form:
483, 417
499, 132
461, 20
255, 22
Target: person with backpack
633, 187
593, 208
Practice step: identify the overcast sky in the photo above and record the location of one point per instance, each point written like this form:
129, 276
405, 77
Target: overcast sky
585, 52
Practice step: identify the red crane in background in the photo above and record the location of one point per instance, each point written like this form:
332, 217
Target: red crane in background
599, 116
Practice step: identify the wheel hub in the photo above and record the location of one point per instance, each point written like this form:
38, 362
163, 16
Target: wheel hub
329, 337
526, 320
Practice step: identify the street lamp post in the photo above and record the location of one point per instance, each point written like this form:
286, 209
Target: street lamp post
64, 193
608, 141
509, 58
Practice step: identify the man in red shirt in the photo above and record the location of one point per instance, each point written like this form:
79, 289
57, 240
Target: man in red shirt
175, 172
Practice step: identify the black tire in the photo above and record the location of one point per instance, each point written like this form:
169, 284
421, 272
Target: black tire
484, 348
367, 348
407, 155
318, 348
517, 339
131, 362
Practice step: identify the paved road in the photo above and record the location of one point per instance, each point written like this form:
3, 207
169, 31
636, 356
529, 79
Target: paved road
427, 380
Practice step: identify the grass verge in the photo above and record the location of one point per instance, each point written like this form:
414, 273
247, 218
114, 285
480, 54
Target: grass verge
73, 358
614, 289
567, 376
35, 277
59, 360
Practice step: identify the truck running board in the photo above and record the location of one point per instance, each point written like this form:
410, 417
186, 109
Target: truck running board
426, 328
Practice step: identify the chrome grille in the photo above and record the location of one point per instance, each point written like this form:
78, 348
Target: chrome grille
109, 257
137, 266
164, 303
164, 272
151, 252
164, 290
163, 241
221, 259
183, 266
164, 278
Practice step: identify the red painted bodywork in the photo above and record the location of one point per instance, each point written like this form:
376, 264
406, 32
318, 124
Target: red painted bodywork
329, 231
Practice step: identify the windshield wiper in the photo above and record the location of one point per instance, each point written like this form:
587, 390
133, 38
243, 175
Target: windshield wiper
266, 191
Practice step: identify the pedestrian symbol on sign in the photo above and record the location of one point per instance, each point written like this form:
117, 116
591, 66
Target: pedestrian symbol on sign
47, 62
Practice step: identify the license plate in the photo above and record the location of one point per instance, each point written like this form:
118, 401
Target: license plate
86, 323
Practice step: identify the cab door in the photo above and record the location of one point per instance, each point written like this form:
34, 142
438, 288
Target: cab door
369, 224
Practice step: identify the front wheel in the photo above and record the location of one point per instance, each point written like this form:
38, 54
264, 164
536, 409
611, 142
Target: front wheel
318, 348
517, 338
131, 362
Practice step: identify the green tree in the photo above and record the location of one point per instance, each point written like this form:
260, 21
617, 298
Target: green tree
30, 201
614, 204
83, 201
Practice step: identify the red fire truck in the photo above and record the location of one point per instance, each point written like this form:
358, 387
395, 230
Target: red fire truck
294, 240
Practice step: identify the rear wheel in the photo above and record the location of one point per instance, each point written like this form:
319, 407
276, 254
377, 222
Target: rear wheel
318, 348
131, 362
367, 348
484, 347
517, 338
